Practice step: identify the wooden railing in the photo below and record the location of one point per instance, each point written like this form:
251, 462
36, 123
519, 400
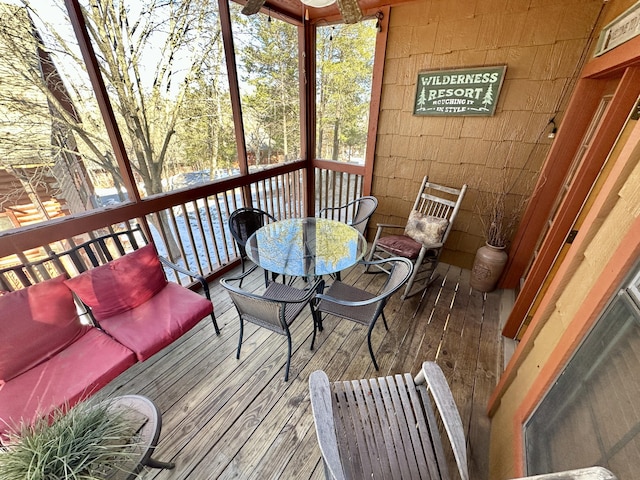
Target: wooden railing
196, 234
190, 227
337, 184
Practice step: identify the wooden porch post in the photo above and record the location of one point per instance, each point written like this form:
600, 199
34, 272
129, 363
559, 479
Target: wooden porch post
234, 91
102, 97
376, 94
307, 62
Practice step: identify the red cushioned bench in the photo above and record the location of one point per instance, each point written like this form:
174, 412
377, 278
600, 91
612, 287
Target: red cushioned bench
50, 359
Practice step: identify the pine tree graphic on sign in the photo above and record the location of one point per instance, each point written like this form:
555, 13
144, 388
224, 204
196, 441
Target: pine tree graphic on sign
488, 97
422, 99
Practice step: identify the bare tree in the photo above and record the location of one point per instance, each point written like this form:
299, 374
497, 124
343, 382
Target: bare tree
148, 52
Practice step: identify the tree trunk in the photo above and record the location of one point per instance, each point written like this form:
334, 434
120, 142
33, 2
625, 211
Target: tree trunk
336, 142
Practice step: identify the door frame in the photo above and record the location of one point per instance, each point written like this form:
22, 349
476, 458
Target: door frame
624, 63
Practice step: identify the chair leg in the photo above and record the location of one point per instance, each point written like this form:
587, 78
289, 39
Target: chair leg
384, 320
240, 340
315, 325
242, 267
215, 323
375, 364
416, 268
207, 294
286, 372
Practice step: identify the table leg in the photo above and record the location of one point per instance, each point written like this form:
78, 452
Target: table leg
153, 463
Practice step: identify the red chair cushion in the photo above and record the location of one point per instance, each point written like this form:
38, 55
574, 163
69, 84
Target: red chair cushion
73, 374
156, 323
122, 284
36, 323
400, 245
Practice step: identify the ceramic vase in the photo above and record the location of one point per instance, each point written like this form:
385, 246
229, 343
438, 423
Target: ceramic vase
487, 267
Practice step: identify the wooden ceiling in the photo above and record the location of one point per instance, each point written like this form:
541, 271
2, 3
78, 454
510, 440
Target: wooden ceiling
296, 10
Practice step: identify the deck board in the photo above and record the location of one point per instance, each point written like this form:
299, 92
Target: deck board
229, 418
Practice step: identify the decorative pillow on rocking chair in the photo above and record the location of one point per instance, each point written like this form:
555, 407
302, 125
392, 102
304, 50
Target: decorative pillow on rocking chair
425, 229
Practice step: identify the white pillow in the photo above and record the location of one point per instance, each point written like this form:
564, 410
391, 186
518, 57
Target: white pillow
425, 229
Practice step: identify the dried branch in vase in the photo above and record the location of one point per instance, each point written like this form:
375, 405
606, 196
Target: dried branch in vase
499, 213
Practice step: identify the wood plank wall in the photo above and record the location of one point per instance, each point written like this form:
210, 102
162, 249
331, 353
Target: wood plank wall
542, 43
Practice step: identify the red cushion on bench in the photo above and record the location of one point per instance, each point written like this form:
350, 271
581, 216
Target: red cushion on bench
36, 323
121, 284
78, 371
156, 323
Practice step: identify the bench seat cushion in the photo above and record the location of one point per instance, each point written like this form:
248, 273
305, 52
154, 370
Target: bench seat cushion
35, 324
159, 321
73, 374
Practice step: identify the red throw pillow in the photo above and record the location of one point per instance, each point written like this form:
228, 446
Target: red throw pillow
36, 323
121, 284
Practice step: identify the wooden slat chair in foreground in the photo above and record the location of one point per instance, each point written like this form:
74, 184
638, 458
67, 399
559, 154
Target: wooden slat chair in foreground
387, 428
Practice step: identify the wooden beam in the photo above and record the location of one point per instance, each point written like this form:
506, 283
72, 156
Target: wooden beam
102, 97
382, 17
234, 90
308, 106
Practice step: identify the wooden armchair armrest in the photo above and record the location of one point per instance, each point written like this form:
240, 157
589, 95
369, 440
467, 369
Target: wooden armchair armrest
390, 225
591, 473
322, 409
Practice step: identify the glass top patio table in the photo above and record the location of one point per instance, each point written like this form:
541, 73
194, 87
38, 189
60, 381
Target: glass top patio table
306, 247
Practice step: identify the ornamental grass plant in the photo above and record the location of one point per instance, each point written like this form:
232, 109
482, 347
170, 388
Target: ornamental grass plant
87, 442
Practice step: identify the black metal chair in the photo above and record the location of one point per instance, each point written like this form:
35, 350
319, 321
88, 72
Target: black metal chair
360, 211
242, 224
275, 309
360, 306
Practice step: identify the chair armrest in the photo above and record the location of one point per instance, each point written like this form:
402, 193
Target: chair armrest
360, 303
432, 375
432, 246
239, 277
591, 473
194, 275
322, 408
309, 291
389, 225
347, 303
327, 209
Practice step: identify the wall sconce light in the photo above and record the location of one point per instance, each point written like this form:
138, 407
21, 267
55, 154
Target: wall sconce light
554, 130
379, 17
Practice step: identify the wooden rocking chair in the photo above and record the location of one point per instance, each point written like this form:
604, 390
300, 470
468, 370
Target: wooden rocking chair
427, 229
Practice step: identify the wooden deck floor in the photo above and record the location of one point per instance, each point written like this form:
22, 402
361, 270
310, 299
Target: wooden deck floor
228, 418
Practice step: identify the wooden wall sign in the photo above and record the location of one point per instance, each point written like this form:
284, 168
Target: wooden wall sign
621, 29
464, 91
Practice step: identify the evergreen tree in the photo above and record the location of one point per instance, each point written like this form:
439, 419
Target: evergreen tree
344, 57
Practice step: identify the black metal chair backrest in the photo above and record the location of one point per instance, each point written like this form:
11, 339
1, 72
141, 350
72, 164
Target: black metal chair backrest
360, 209
244, 222
74, 260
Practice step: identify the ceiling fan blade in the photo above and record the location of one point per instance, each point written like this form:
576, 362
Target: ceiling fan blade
350, 11
252, 6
